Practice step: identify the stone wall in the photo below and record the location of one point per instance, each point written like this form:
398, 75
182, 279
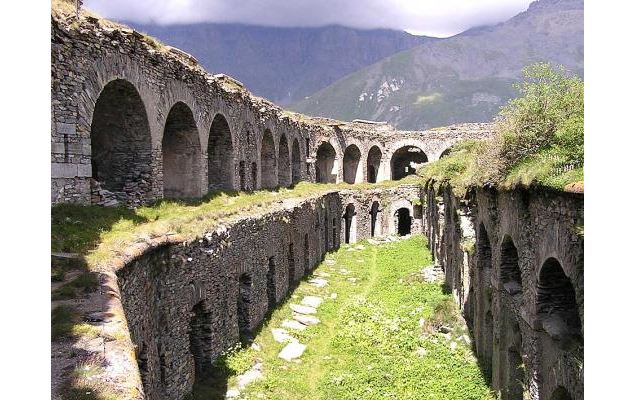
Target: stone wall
514, 263
187, 303
134, 121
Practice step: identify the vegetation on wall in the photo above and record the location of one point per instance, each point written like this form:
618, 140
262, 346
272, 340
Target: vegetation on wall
539, 139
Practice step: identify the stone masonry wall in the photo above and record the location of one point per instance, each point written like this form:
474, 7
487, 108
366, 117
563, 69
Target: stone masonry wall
524, 350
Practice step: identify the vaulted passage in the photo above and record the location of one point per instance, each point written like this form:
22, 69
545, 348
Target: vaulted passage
375, 224
352, 172
200, 333
268, 162
284, 167
350, 224
403, 221
220, 155
120, 142
556, 304
296, 162
181, 154
245, 288
373, 162
406, 160
509, 270
326, 168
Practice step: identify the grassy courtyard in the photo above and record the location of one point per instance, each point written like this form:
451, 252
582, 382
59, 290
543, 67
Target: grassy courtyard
380, 336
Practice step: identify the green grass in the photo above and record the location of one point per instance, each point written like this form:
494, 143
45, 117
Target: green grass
63, 319
369, 341
84, 283
100, 234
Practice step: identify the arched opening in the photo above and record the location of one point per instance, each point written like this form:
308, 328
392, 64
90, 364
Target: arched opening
374, 225
484, 259
181, 154
373, 163
326, 168
200, 333
350, 224
220, 155
254, 175
352, 155
560, 394
284, 167
403, 221
291, 262
556, 304
245, 288
268, 162
406, 160
509, 270
445, 152
121, 148
271, 283
296, 163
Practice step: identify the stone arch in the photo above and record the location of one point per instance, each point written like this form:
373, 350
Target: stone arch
403, 221
352, 170
245, 299
560, 394
181, 154
373, 164
405, 160
200, 335
326, 164
121, 143
220, 155
268, 162
556, 304
284, 166
296, 162
510, 275
375, 219
350, 224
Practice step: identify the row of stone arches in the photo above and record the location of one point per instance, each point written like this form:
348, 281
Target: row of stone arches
501, 343
403, 162
124, 162
402, 222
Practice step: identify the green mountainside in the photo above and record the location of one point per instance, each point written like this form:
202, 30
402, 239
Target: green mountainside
465, 78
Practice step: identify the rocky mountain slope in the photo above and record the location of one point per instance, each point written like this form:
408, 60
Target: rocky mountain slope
463, 78
283, 64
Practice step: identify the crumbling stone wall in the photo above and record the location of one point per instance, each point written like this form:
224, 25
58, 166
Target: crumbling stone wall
514, 263
115, 80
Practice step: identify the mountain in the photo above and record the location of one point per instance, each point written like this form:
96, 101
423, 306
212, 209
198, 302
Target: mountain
282, 64
464, 78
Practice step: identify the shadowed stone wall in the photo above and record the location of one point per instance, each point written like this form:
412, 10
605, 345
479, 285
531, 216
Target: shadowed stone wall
514, 263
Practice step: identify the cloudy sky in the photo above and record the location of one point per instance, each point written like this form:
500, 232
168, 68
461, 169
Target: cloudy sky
429, 17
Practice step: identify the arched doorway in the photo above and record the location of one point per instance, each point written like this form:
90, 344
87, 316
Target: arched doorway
403, 221
326, 167
121, 147
556, 305
352, 155
220, 155
406, 160
375, 226
296, 162
181, 154
268, 162
350, 224
284, 167
509, 269
373, 163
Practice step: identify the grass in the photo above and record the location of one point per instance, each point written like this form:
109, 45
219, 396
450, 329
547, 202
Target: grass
84, 283
100, 234
377, 339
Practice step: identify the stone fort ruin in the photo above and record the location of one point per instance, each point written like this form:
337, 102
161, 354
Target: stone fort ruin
134, 122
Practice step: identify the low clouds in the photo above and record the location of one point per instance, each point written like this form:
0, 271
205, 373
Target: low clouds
429, 17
